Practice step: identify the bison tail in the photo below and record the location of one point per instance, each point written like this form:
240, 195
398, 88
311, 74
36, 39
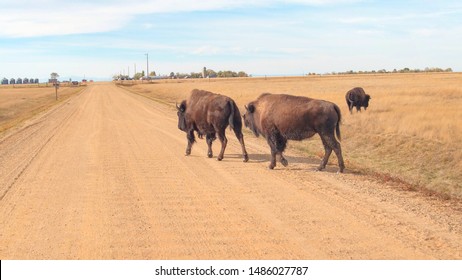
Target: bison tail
337, 127
231, 115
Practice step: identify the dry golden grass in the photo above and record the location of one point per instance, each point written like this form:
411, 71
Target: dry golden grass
412, 131
18, 104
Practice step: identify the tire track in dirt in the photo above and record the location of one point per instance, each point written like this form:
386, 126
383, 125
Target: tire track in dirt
16, 149
113, 183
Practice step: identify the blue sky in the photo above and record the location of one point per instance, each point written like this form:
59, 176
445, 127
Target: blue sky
101, 38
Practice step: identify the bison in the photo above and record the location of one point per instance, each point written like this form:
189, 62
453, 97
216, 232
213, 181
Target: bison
209, 114
356, 97
282, 117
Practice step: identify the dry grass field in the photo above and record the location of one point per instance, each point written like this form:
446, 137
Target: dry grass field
411, 133
103, 175
18, 104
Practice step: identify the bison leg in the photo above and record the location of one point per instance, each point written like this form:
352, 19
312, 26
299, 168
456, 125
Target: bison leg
338, 153
272, 145
191, 140
209, 139
277, 144
284, 160
240, 137
224, 142
273, 159
281, 143
350, 106
327, 152
330, 143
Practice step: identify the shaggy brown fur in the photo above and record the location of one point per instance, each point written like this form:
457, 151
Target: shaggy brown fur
358, 98
210, 114
282, 117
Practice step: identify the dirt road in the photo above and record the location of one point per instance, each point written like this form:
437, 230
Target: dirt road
104, 176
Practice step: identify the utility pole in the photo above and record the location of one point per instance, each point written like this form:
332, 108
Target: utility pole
147, 66
56, 90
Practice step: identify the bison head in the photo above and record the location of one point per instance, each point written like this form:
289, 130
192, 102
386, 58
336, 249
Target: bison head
182, 115
366, 101
249, 118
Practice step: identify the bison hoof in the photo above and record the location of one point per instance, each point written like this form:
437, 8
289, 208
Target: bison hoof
284, 162
246, 158
271, 166
219, 158
210, 155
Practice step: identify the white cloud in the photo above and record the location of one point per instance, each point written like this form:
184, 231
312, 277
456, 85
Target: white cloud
148, 25
426, 32
57, 21
29, 18
281, 39
397, 18
52, 17
206, 50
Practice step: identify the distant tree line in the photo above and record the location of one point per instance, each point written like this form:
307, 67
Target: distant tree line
209, 73
404, 70
137, 76
206, 73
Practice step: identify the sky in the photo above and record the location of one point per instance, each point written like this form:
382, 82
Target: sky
97, 39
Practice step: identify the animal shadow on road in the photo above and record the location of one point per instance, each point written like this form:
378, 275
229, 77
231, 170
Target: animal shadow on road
295, 163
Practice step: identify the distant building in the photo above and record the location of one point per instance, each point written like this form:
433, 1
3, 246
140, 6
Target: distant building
12, 81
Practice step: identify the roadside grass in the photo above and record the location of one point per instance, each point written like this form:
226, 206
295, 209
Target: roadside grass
18, 104
411, 132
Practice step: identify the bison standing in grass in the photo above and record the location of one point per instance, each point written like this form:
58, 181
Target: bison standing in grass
282, 117
358, 98
210, 114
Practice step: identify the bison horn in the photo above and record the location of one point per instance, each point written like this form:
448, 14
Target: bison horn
246, 108
177, 107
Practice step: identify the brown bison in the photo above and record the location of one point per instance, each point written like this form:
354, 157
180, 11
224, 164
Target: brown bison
209, 114
356, 97
282, 117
